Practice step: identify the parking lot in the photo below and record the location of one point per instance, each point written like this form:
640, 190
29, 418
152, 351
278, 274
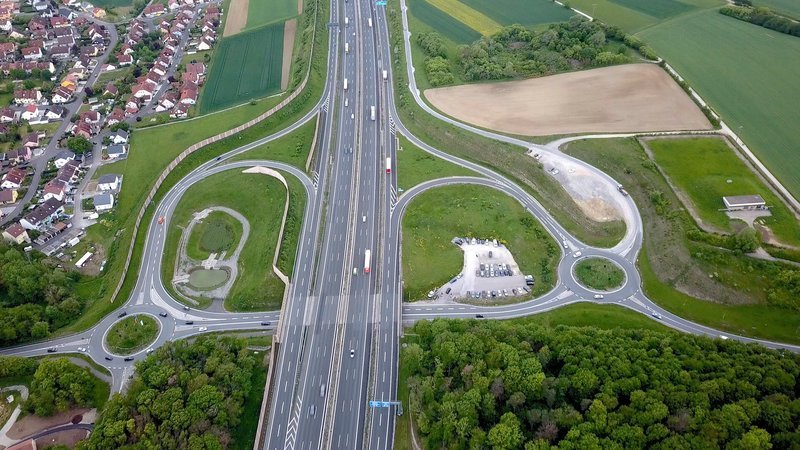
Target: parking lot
489, 271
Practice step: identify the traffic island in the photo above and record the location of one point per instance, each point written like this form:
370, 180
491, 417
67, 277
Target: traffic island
599, 274
132, 334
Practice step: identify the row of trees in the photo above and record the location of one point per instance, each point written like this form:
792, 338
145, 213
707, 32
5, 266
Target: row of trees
514, 385
437, 66
185, 395
35, 296
763, 16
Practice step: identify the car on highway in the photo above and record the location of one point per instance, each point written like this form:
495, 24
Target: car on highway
565, 244
82, 349
203, 328
189, 322
352, 353
108, 358
265, 324
656, 315
363, 219
129, 358
577, 255
185, 308
150, 350
598, 296
313, 410
322, 390
122, 314
51, 350
163, 314
479, 316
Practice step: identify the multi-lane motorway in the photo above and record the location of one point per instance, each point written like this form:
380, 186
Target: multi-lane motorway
337, 335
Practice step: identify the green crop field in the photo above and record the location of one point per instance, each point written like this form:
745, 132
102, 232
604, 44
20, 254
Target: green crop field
748, 74
246, 66
528, 13
789, 8
112, 3
261, 13
705, 181
439, 21
635, 15
435, 217
468, 16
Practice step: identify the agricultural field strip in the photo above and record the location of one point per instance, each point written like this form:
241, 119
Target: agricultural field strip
468, 16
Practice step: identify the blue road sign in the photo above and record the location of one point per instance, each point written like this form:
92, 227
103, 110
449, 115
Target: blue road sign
374, 404
380, 3
385, 404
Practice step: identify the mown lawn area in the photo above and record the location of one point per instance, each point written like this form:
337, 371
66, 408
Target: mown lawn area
524, 12
790, 8
437, 216
292, 148
758, 99
131, 334
218, 232
415, 165
696, 280
245, 66
599, 273
260, 199
702, 169
261, 13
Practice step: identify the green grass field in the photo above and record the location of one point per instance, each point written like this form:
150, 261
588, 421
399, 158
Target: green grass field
131, 334
470, 17
219, 232
245, 66
705, 181
524, 12
790, 8
439, 21
112, 3
415, 166
600, 274
757, 99
696, 281
261, 13
261, 200
635, 15
435, 217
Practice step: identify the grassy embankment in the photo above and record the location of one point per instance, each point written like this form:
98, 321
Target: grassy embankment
691, 278
716, 171
506, 159
600, 274
605, 317
261, 200
131, 334
216, 233
154, 148
415, 166
437, 216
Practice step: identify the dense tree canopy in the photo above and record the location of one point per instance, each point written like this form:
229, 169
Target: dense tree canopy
59, 385
35, 297
185, 395
515, 51
515, 385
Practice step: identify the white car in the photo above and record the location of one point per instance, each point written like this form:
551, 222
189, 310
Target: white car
203, 328
352, 353
656, 315
577, 255
82, 349
363, 219
598, 296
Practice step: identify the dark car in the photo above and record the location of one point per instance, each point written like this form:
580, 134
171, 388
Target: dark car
122, 314
51, 350
163, 314
108, 358
129, 358
190, 322
266, 324
479, 316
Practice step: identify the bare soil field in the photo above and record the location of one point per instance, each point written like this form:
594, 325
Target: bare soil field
627, 98
236, 18
289, 30
31, 424
67, 437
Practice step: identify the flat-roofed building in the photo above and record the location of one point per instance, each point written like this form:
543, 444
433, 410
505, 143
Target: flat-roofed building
744, 202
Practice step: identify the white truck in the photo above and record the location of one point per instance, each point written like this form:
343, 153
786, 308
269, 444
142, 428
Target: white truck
345, 84
385, 75
347, 47
372, 112
346, 21
366, 261
369, 21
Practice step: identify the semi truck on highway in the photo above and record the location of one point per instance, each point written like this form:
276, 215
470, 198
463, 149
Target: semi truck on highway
388, 165
347, 47
346, 21
366, 261
369, 21
372, 112
345, 84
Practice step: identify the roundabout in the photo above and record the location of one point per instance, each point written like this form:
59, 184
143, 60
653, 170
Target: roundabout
131, 334
600, 274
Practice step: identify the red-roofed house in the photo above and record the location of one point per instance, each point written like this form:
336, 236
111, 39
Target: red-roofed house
17, 235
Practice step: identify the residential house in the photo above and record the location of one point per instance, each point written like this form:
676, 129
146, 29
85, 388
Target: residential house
69, 172
32, 53
117, 151
61, 52
153, 10
62, 158
55, 112
205, 44
13, 179
19, 155
103, 202
43, 215
56, 189
110, 91
27, 96
8, 115
116, 116
32, 140
59, 22
16, 234
83, 129
143, 91
8, 196
124, 60
167, 101
31, 112
61, 95
8, 51
120, 137
195, 73
180, 111
92, 117
109, 182
189, 93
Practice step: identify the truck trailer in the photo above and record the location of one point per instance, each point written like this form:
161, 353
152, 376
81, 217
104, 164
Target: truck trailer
372, 113
366, 260
388, 165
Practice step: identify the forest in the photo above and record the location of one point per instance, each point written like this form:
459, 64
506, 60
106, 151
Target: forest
517, 385
184, 395
35, 296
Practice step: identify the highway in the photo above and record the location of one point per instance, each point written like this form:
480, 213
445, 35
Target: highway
337, 334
